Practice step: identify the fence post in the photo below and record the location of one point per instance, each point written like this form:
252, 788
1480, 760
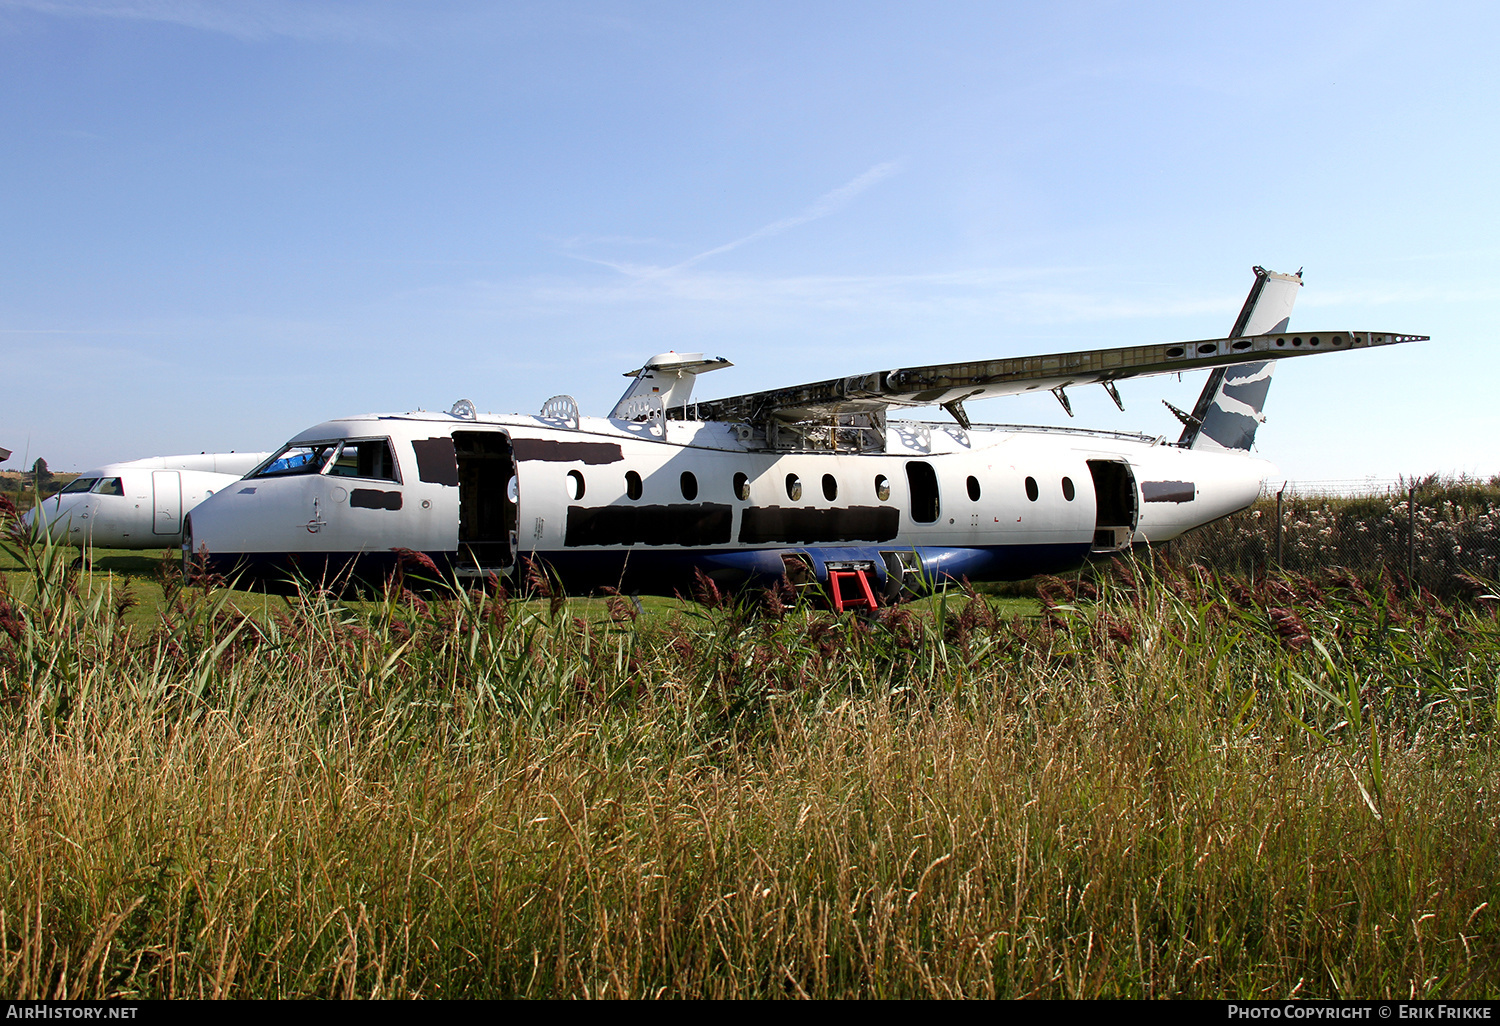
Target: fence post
1278, 523
1411, 534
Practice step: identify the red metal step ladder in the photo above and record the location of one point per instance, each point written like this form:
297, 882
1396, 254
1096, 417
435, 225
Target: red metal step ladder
863, 598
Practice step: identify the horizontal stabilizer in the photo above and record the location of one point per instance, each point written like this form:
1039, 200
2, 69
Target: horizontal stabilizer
662, 382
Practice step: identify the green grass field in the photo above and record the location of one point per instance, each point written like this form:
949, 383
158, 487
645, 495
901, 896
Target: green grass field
147, 577
1149, 782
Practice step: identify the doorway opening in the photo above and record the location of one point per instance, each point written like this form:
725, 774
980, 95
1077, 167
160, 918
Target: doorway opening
921, 481
488, 500
1114, 493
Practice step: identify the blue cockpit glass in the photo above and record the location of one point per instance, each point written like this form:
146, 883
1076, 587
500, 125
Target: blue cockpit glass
307, 458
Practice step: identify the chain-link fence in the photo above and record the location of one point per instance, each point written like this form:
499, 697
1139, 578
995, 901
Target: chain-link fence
1429, 531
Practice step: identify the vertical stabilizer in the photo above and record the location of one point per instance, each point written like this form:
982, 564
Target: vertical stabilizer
1229, 409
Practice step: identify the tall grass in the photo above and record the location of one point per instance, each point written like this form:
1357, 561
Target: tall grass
1167, 784
1430, 530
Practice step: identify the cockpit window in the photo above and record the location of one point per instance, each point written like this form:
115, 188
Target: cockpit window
307, 458
110, 486
80, 484
366, 457
369, 458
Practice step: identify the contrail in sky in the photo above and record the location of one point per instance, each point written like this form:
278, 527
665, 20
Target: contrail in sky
826, 204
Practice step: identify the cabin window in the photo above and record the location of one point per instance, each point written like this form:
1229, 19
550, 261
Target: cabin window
1031, 489
633, 487
575, 485
742, 487
882, 488
921, 479
689, 486
1068, 490
368, 458
830, 487
307, 458
793, 487
973, 488
110, 486
80, 484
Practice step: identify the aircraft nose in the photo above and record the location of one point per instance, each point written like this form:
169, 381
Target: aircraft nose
31, 522
55, 514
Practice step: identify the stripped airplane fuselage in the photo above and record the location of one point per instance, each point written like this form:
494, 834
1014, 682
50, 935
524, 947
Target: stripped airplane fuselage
807, 480
607, 504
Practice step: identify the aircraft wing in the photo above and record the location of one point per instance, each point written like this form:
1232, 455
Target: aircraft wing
951, 384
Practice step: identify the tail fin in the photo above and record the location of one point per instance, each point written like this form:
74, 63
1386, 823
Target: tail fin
1229, 408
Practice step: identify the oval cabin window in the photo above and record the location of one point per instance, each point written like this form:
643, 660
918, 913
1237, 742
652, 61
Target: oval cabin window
575, 485
830, 487
974, 489
882, 488
632, 484
793, 487
689, 486
1031, 489
1068, 490
742, 487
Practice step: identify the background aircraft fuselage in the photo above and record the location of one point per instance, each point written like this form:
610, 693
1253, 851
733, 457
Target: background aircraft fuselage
140, 504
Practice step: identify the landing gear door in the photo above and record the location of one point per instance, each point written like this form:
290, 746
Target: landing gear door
1116, 507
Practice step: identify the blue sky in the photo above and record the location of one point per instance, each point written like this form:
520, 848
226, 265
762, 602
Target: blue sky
221, 223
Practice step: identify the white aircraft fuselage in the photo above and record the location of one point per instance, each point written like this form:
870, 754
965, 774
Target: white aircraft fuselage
802, 481
609, 504
140, 504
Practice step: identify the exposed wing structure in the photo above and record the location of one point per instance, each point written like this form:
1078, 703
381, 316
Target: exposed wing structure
950, 385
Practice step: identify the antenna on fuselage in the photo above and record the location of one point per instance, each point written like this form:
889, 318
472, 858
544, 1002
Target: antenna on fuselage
668, 377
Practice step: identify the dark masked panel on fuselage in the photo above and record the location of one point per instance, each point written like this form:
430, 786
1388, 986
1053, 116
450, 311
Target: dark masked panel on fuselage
1168, 491
374, 498
763, 525
704, 523
590, 454
436, 462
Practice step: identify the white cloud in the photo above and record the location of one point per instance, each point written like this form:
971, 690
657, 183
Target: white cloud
1402, 293
251, 20
977, 304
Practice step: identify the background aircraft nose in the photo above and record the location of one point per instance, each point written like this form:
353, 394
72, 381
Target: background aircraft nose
30, 520
55, 514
